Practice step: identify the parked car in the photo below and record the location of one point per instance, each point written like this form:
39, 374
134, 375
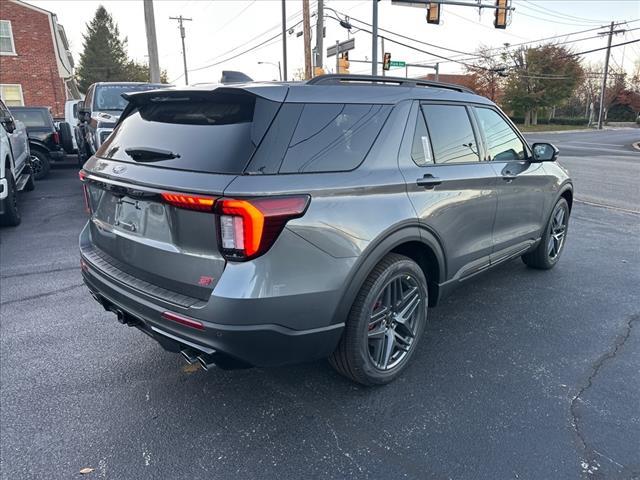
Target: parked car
44, 138
15, 167
267, 224
71, 117
100, 110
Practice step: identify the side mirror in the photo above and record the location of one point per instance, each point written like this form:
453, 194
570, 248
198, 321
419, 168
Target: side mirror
544, 152
8, 124
83, 113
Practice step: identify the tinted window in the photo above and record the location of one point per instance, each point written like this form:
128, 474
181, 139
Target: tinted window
33, 118
421, 147
210, 133
109, 97
502, 142
333, 137
451, 134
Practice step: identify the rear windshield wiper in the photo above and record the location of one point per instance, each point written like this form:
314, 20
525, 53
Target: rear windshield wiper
145, 154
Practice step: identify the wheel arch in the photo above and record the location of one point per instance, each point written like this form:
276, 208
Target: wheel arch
567, 193
414, 242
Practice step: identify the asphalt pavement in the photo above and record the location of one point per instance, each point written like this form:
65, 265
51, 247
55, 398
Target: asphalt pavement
522, 374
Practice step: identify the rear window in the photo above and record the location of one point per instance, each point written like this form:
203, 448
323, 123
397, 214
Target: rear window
109, 97
319, 138
33, 118
212, 133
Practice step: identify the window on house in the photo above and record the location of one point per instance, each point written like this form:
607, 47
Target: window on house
11, 95
6, 38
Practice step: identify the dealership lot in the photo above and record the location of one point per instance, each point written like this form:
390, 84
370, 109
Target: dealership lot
522, 373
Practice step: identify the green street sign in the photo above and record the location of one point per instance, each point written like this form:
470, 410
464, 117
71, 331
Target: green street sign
397, 63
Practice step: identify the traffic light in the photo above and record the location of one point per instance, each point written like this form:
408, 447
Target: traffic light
386, 62
433, 12
501, 14
343, 63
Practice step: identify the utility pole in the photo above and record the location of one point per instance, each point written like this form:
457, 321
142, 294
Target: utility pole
152, 43
284, 41
319, 34
374, 39
306, 28
384, 73
181, 19
610, 33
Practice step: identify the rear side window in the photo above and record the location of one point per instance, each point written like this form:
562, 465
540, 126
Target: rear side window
451, 134
33, 118
502, 142
333, 137
319, 137
210, 133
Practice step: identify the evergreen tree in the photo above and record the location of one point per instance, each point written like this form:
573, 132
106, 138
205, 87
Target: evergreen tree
104, 55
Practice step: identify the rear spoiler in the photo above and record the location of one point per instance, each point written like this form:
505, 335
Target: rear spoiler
273, 92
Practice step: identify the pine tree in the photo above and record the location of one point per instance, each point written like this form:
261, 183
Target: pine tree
104, 55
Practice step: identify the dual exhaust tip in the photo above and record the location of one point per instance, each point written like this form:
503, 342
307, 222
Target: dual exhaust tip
204, 360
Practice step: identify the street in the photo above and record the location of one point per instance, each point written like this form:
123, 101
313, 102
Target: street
522, 374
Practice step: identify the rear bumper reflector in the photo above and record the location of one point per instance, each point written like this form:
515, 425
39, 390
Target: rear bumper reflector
188, 322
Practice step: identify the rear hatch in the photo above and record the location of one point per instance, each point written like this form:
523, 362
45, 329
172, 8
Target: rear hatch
151, 185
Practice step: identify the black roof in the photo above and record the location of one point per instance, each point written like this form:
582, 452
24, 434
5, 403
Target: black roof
342, 89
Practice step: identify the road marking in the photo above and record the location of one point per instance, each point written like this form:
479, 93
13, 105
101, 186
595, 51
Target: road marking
611, 207
592, 143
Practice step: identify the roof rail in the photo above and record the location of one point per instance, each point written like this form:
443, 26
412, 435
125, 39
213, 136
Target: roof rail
337, 79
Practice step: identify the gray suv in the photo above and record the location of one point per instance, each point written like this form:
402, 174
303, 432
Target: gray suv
267, 224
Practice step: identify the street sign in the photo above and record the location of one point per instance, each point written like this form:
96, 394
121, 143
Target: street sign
397, 63
341, 47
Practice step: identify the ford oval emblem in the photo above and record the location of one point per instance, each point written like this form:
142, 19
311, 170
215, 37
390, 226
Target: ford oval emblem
118, 169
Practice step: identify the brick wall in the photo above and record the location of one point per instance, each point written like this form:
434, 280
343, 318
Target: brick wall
35, 66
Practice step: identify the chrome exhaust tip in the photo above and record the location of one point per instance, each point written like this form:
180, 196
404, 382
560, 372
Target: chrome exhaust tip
206, 362
189, 355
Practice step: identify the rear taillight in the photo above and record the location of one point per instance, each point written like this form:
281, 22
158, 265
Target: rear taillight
85, 192
56, 138
190, 202
249, 227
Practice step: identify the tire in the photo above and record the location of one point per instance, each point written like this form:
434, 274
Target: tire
547, 253
11, 216
31, 184
362, 354
66, 137
40, 164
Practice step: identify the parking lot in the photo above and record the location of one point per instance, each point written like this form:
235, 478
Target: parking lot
522, 374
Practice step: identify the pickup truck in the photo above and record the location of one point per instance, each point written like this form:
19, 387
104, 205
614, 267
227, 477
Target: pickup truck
15, 166
44, 138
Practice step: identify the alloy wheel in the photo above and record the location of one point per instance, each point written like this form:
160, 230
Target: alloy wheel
36, 165
558, 232
394, 320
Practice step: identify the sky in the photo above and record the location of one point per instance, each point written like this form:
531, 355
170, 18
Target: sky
220, 30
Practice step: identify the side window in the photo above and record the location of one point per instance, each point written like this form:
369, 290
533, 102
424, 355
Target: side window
88, 101
451, 134
502, 142
421, 147
333, 137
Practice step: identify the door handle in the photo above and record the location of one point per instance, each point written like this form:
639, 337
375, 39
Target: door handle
509, 177
428, 181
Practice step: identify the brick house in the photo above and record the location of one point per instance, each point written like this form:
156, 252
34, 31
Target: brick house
36, 66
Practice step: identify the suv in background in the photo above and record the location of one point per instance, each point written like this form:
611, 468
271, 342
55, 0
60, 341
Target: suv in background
15, 168
100, 110
265, 224
44, 138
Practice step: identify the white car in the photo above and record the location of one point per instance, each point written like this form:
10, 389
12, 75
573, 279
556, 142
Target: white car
15, 167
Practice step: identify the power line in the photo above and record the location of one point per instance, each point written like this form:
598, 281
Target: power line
555, 13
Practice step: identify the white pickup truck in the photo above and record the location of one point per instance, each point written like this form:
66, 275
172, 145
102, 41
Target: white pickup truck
15, 166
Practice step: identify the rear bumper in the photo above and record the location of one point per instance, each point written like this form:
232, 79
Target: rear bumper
261, 345
56, 155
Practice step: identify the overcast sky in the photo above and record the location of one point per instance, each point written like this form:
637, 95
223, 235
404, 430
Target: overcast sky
222, 29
